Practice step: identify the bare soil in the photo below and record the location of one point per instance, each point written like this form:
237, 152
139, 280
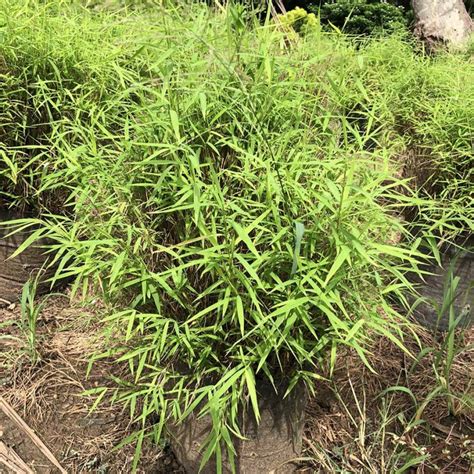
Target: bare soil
48, 396
344, 420
360, 431
24, 447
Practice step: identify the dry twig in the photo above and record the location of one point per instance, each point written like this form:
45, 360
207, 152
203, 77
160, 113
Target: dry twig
13, 415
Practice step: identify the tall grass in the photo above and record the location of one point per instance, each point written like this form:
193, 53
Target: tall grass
234, 196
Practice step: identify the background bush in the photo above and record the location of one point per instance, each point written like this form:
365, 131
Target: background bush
363, 16
360, 17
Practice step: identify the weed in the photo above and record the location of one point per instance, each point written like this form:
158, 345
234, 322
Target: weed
30, 312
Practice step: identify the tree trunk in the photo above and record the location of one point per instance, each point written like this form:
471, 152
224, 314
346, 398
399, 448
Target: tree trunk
442, 21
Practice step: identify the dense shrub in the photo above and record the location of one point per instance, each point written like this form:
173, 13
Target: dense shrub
233, 197
47, 86
359, 16
300, 21
363, 16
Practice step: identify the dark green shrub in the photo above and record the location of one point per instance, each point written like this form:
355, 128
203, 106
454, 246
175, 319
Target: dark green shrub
362, 16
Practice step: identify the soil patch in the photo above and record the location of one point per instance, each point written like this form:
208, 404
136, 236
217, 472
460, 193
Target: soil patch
48, 396
349, 427
352, 428
13, 438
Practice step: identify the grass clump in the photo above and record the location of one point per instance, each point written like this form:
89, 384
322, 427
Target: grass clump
59, 64
235, 202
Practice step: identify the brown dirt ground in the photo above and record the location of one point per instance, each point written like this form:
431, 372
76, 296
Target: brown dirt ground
344, 422
346, 418
48, 396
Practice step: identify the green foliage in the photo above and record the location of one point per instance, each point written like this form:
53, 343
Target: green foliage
51, 75
434, 115
236, 203
27, 323
300, 20
360, 17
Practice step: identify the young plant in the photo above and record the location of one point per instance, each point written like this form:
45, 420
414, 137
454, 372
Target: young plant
30, 312
27, 324
451, 344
